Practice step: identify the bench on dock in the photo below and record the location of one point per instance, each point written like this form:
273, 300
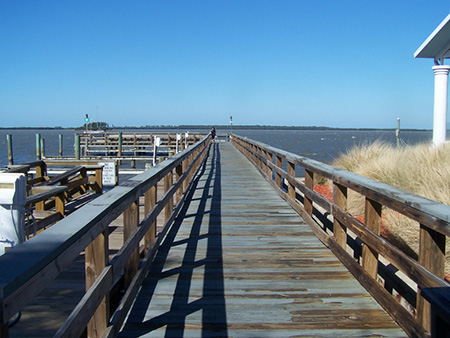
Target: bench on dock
48, 197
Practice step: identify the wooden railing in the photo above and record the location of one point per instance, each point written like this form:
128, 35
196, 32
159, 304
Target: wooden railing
32, 265
346, 231
118, 144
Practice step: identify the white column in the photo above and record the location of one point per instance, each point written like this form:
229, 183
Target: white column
440, 104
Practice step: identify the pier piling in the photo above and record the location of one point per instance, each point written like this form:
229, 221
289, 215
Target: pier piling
60, 145
10, 150
38, 147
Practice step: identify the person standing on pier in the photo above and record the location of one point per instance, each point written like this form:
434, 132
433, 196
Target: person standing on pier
213, 134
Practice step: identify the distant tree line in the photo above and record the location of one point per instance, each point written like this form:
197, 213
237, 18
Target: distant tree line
106, 126
94, 126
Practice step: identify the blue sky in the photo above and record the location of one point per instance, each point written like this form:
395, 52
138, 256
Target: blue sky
308, 63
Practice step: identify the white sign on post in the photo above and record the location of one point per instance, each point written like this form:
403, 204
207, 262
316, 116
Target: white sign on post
109, 173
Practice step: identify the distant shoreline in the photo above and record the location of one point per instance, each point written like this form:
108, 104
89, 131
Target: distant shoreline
207, 127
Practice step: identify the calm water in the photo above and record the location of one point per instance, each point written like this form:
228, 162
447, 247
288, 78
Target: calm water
322, 145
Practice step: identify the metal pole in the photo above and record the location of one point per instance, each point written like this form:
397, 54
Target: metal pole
397, 132
10, 149
60, 145
38, 147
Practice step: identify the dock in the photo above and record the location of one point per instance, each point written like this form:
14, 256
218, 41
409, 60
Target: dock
239, 262
223, 239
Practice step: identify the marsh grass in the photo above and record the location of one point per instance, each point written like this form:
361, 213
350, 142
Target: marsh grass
421, 169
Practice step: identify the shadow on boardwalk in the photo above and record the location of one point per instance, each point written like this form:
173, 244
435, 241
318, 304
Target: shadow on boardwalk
211, 302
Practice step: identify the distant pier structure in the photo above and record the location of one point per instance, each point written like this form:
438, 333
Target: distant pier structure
131, 146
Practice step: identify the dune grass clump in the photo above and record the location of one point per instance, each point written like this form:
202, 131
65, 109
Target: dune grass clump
421, 169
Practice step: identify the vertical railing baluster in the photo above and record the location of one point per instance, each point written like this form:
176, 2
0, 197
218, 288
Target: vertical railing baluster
340, 199
278, 176
309, 183
130, 223
372, 220
432, 257
150, 198
269, 162
96, 259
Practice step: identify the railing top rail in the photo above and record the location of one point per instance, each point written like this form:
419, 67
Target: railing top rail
61, 243
431, 213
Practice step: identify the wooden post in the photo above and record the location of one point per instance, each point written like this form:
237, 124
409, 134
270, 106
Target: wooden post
96, 259
77, 147
253, 153
168, 182
264, 161
432, 257
41, 170
42, 147
186, 181
98, 180
257, 156
291, 187
309, 182
269, 169
83, 174
340, 199
60, 145
38, 147
179, 172
120, 141
150, 202
10, 149
130, 223
60, 203
277, 175
372, 220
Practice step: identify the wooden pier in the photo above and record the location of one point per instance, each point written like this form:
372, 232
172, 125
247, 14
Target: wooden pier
239, 261
132, 145
223, 240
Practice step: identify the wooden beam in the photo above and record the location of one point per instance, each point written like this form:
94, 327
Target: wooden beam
130, 223
340, 199
168, 182
291, 173
150, 202
277, 175
309, 182
178, 173
96, 259
372, 220
432, 257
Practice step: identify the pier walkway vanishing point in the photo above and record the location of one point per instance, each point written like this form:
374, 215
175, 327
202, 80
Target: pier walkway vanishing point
240, 262
225, 240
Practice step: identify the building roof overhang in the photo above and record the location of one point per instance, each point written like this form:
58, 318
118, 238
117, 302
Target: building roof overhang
437, 45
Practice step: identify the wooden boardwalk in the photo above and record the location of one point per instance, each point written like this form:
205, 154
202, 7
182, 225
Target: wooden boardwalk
239, 262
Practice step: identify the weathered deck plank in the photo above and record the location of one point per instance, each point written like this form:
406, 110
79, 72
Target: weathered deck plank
239, 262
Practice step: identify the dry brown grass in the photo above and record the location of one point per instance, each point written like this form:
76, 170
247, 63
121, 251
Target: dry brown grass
422, 169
